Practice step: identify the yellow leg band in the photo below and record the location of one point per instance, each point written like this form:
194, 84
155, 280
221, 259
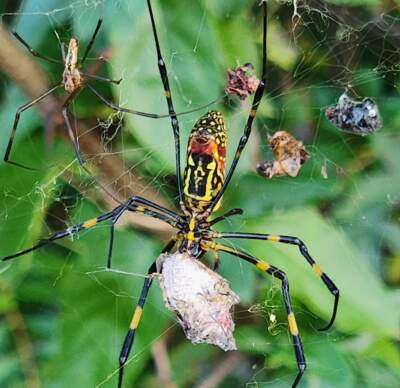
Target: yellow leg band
136, 318
90, 223
317, 269
274, 238
292, 324
262, 265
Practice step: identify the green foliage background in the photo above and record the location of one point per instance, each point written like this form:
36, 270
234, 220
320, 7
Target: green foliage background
76, 313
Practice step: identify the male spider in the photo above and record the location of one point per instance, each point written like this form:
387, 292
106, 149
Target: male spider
73, 81
200, 194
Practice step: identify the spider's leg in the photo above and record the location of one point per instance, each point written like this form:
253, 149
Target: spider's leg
279, 274
33, 52
133, 204
99, 78
256, 102
304, 251
92, 39
16, 120
144, 114
174, 120
229, 213
130, 336
73, 137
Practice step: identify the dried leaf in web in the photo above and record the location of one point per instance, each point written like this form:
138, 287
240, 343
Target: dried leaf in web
358, 117
290, 154
241, 81
201, 299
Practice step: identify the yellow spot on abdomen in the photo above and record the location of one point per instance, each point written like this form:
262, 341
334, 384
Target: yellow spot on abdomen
136, 318
90, 223
292, 324
262, 265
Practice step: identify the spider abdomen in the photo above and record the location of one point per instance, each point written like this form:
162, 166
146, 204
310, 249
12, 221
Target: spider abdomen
205, 163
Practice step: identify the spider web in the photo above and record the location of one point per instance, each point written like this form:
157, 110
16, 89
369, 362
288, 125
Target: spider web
346, 195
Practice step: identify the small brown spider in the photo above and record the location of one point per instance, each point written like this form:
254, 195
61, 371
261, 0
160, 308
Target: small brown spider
73, 81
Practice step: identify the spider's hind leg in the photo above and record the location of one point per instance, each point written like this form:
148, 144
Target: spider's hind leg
279, 274
130, 335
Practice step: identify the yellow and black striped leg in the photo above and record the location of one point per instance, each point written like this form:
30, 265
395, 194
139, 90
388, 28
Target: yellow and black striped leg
167, 91
279, 274
135, 204
304, 251
132, 205
130, 335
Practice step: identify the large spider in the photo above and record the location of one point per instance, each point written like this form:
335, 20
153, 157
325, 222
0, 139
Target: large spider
200, 194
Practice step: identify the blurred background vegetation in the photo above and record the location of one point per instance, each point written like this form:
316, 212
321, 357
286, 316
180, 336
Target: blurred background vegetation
63, 316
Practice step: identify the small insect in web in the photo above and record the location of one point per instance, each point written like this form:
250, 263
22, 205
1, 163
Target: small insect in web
358, 117
200, 192
73, 81
290, 154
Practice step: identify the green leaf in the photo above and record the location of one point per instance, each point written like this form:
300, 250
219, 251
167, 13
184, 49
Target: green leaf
344, 264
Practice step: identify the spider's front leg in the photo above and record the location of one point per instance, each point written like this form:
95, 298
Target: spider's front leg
135, 204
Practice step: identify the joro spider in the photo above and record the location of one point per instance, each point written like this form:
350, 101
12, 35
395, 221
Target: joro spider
200, 194
73, 81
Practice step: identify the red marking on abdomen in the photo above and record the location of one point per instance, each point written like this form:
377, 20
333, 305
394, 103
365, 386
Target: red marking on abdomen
221, 160
201, 146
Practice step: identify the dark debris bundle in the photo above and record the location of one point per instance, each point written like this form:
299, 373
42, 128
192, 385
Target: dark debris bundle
242, 81
201, 299
290, 154
358, 117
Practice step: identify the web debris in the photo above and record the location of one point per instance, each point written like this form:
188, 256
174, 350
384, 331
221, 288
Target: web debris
290, 154
358, 117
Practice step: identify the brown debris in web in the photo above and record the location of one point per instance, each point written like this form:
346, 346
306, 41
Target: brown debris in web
242, 81
290, 154
201, 299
